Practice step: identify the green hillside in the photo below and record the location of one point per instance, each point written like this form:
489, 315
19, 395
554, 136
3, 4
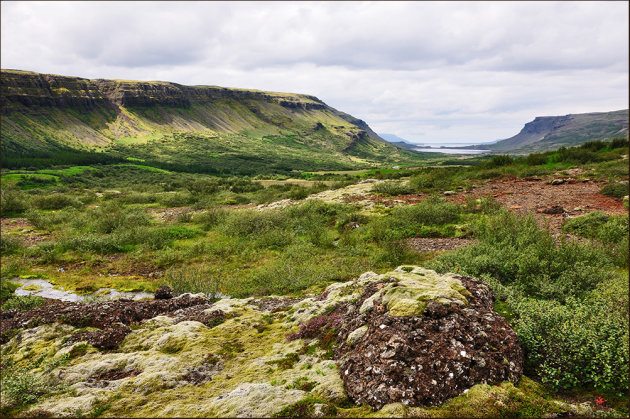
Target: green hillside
195, 128
550, 132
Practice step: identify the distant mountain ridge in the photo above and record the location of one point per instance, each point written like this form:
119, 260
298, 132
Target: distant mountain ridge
549, 132
44, 112
399, 142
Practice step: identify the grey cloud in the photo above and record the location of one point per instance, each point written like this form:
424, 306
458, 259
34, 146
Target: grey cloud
441, 70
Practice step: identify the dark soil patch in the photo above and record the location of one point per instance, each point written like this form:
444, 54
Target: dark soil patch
271, 304
113, 375
438, 244
112, 317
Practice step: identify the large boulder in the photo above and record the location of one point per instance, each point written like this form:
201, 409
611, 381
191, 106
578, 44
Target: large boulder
419, 338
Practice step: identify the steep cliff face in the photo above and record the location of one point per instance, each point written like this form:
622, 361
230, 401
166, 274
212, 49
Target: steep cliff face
41, 112
34, 93
548, 132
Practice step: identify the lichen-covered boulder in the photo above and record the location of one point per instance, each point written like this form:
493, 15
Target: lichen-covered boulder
425, 338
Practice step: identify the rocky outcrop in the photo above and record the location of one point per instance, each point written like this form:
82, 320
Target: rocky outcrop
410, 337
424, 339
28, 91
25, 91
549, 132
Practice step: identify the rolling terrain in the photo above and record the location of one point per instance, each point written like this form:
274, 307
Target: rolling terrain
194, 128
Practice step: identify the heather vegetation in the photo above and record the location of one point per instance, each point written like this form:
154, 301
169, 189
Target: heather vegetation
138, 225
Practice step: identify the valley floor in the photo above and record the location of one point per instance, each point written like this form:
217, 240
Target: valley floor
551, 241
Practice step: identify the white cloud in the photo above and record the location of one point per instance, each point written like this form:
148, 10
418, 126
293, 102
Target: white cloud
426, 71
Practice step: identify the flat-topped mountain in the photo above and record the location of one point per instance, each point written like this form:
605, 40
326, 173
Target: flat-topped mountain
180, 124
549, 132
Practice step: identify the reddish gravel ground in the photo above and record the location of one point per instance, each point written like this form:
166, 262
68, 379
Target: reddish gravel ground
538, 195
434, 245
523, 195
550, 203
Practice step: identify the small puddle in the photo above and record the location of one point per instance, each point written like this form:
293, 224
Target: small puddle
45, 289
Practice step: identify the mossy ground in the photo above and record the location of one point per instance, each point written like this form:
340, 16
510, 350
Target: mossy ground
240, 370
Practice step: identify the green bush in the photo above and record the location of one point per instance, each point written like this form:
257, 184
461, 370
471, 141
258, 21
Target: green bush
612, 230
617, 189
501, 160
574, 345
618, 143
13, 202
7, 288
569, 304
194, 279
23, 303
432, 179
9, 244
536, 159
138, 198
515, 251
210, 218
245, 223
20, 387
599, 225
410, 220
56, 201
432, 211
116, 242
51, 220
392, 188
109, 218
176, 199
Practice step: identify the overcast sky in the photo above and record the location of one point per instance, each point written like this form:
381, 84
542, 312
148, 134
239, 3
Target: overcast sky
426, 71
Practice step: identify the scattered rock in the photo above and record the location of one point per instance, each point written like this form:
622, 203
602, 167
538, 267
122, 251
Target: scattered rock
164, 293
554, 209
449, 193
103, 315
107, 338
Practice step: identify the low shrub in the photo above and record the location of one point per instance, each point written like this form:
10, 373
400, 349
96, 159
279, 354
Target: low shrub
9, 244
433, 179
617, 189
7, 288
23, 303
247, 223
515, 251
13, 202
574, 345
194, 279
138, 198
210, 218
109, 218
176, 199
599, 225
20, 387
51, 220
56, 201
392, 188
409, 220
